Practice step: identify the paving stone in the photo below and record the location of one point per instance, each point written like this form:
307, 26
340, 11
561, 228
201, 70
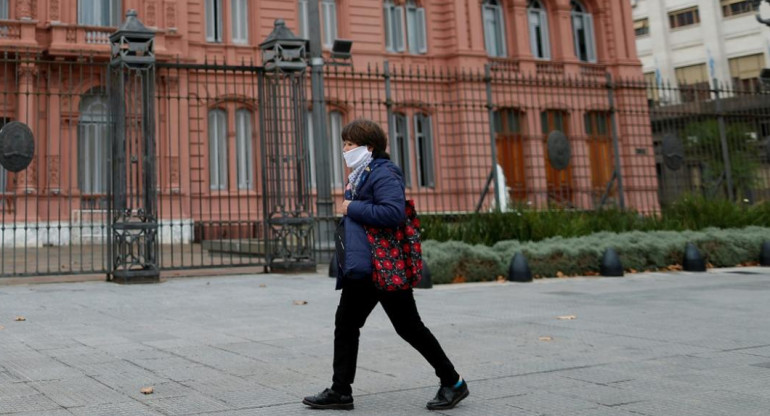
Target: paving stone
31, 403
185, 405
115, 409
75, 392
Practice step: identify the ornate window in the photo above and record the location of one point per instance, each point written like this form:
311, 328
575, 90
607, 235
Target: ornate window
538, 30
494, 27
92, 143
423, 143
328, 21
98, 12
240, 13
583, 32
394, 26
214, 20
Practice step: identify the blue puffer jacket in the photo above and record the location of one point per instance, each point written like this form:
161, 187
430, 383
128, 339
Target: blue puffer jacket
379, 202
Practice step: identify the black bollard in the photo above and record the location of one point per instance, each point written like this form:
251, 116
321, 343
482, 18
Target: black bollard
693, 261
519, 270
425, 282
764, 254
333, 266
611, 265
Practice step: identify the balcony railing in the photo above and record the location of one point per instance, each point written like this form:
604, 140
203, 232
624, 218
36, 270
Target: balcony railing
10, 30
547, 67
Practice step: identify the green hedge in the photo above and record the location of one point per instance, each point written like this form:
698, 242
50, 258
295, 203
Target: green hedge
452, 260
688, 213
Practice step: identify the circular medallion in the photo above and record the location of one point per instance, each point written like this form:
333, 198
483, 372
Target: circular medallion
17, 146
673, 151
559, 151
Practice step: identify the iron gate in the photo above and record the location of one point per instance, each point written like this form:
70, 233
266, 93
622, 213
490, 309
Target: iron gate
175, 165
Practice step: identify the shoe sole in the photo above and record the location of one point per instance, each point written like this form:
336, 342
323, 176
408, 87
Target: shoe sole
341, 406
452, 404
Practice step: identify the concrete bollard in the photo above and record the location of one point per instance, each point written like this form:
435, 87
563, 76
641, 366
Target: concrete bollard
764, 254
519, 270
693, 260
611, 265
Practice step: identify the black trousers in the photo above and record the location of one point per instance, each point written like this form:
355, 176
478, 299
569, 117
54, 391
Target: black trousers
358, 299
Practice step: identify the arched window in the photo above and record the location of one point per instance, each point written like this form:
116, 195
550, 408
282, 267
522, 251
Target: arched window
244, 149
92, 143
583, 32
538, 30
494, 27
218, 149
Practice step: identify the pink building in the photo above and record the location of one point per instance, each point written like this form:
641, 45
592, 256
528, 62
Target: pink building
550, 59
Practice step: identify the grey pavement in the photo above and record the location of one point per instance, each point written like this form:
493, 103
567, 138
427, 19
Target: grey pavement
654, 344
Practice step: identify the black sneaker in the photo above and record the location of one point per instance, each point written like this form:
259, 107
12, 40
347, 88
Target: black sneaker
329, 399
448, 397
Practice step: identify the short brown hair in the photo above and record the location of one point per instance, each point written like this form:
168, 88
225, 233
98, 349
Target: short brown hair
365, 132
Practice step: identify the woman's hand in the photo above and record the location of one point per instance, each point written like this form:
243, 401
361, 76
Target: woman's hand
343, 209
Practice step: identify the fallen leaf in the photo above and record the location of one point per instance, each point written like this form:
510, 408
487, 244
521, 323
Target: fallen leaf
20, 319
566, 317
559, 274
263, 285
545, 339
147, 390
300, 302
500, 279
2, 327
458, 279
632, 271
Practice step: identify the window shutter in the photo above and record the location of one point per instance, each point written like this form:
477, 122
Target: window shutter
577, 24
244, 148
398, 29
388, 26
302, 19
546, 39
3, 15
239, 13
210, 27
590, 40
422, 43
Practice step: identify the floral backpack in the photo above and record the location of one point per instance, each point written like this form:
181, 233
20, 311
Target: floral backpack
397, 253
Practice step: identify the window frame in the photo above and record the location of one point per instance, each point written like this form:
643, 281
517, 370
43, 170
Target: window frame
218, 157
585, 20
244, 157
498, 37
727, 10
642, 27
113, 13
239, 13
303, 19
213, 20
328, 23
92, 141
5, 10
675, 17
536, 9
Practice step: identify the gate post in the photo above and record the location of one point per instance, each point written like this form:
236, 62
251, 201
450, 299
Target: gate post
285, 158
132, 194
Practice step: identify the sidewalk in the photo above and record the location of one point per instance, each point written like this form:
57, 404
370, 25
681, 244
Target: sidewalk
654, 344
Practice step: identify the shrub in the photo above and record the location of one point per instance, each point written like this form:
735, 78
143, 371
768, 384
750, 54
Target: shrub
638, 250
688, 213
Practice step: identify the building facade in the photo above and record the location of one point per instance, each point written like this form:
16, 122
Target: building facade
693, 42
548, 63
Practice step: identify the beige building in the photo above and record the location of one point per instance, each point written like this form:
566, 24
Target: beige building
689, 42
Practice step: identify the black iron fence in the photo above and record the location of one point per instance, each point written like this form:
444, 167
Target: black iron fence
468, 140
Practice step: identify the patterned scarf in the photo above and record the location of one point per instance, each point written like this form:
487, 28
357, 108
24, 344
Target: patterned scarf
355, 175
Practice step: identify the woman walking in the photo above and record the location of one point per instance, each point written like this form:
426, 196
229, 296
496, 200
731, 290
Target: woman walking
374, 197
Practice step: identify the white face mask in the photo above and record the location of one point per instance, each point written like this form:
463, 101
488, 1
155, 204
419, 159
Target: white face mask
355, 157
